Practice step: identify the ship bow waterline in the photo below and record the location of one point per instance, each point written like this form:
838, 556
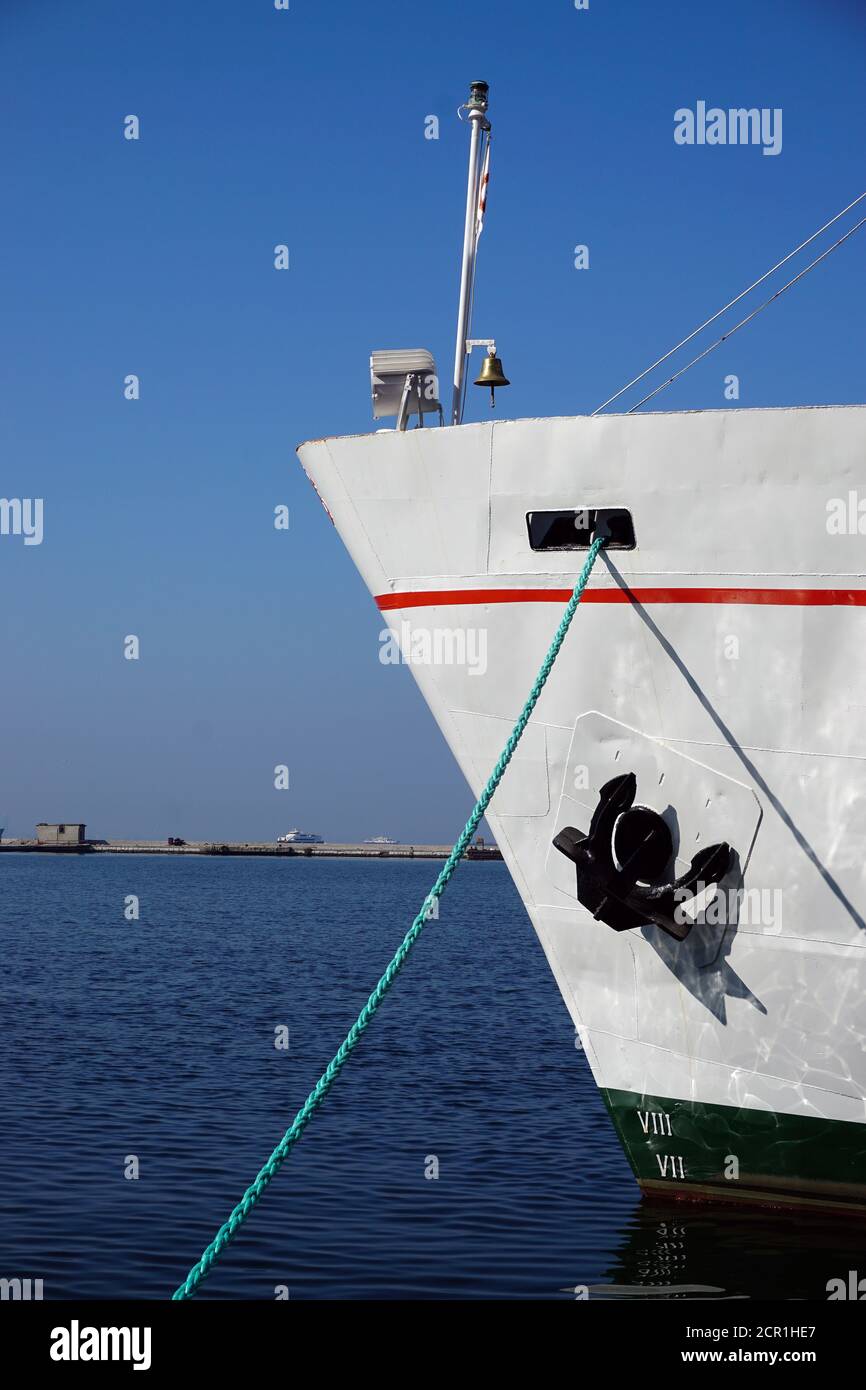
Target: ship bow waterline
716, 676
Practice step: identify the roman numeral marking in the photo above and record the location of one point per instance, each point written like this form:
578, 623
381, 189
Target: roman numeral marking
676, 1165
656, 1120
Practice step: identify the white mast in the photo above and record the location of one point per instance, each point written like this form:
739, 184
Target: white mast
476, 107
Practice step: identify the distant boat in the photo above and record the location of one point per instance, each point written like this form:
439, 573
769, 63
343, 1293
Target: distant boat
300, 837
381, 840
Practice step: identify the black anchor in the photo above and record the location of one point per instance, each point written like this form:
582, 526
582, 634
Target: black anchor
626, 850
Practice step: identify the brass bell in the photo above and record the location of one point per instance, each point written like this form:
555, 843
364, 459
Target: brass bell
492, 375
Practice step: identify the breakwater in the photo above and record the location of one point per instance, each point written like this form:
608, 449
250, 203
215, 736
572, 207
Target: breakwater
217, 847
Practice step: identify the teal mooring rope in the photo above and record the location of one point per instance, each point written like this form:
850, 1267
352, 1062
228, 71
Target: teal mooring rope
253, 1193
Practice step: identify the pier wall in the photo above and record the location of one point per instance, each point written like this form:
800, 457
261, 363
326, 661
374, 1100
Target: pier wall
326, 851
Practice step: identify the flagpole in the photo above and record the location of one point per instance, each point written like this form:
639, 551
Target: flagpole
476, 108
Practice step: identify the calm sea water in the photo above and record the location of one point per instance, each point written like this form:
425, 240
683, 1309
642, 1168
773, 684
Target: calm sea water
155, 1038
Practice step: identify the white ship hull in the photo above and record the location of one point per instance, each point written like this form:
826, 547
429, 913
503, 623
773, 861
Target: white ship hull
723, 662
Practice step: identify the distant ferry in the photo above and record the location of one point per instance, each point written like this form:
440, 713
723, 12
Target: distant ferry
381, 840
300, 837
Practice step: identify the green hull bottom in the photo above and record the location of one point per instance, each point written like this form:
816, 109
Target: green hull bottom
686, 1149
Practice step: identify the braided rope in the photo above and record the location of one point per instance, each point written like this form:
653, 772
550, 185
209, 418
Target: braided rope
254, 1192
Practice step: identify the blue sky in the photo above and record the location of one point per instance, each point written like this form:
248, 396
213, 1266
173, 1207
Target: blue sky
155, 257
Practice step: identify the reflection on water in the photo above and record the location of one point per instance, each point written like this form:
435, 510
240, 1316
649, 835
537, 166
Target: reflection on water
686, 1250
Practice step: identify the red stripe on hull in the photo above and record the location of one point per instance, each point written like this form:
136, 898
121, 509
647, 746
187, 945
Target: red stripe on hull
797, 598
